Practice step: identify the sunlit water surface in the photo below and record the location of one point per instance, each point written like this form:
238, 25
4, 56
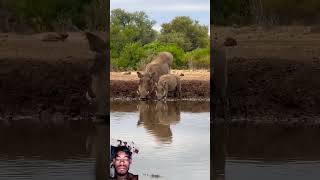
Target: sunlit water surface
173, 138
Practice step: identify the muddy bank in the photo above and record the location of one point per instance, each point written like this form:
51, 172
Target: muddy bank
191, 89
187, 106
273, 72
32, 86
278, 87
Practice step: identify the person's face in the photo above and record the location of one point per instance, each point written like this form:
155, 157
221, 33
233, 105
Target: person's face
122, 163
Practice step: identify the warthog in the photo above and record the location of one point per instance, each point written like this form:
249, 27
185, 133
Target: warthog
220, 80
152, 73
98, 91
164, 58
168, 83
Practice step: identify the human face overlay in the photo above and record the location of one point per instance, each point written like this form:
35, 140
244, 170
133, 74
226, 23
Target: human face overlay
122, 163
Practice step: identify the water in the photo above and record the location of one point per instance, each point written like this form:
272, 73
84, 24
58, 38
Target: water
266, 153
35, 151
174, 138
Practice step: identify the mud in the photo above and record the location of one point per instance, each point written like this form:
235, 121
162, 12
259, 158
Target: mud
31, 85
191, 89
279, 87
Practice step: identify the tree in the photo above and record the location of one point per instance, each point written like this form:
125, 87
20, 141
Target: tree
185, 33
42, 15
126, 27
131, 55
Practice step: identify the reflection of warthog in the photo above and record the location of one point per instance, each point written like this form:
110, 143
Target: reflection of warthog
220, 81
152, 73
168, 113
168, 83
98, 91
156, 117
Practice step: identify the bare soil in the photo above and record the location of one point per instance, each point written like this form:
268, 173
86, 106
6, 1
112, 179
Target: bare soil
38, 76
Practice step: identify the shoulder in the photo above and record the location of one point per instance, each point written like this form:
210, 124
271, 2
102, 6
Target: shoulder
133, 177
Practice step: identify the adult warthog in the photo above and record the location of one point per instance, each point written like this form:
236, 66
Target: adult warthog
98, 91
156, 68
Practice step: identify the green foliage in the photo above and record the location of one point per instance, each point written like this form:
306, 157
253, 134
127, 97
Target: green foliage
278, 12
184, 32
126, 27
134, 43
131, 54
198, 58
45, 15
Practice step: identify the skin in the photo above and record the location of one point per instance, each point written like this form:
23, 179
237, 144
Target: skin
122, 164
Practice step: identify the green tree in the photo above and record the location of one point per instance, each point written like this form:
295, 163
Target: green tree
131, 55
185, 33
42, 15
126, 27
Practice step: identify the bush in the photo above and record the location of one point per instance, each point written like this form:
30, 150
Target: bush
198, 59
131, 55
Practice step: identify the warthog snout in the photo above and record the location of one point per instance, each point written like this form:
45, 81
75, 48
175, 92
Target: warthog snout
145, 85
145, 95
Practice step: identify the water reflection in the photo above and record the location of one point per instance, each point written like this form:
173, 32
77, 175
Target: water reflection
30, 150
157, 117
73, 149
266, 153
101, 147
168, 135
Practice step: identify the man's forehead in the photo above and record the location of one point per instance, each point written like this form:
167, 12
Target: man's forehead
122, 154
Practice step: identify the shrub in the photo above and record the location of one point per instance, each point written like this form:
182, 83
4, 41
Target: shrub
198, 59
130, 56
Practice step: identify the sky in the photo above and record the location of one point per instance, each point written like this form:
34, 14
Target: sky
163, 11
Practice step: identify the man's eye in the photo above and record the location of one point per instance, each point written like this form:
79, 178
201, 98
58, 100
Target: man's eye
125, 160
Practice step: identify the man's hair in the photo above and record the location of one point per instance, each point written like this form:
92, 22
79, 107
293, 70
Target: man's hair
123, 149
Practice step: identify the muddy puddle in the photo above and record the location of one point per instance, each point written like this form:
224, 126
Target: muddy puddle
266, 152
173, 137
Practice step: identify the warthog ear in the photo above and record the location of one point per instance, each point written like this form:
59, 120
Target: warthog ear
139, 75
